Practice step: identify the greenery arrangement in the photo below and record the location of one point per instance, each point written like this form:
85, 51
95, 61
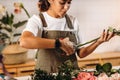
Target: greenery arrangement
105, 68
67, 72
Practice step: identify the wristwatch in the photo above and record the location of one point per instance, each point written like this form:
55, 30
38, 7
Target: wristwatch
57, 43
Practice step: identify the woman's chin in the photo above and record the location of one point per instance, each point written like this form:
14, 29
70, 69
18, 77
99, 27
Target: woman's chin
62, 15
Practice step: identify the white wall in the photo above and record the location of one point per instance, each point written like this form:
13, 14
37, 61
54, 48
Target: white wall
96, 15
93, 15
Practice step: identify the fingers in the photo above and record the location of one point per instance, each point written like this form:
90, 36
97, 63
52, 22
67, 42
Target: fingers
103, 34
67, 46
70, 48
66, 39
106, 36
110, 36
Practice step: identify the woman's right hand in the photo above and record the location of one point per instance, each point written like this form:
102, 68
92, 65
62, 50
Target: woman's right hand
67, 46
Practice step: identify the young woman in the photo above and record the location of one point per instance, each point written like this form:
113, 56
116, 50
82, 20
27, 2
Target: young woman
55, 33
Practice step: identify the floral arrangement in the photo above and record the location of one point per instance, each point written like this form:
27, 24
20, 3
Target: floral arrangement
65, 72
102, 72
7, 24
68, 72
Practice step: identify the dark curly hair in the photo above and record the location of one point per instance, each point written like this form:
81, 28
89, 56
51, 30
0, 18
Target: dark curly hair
44, 5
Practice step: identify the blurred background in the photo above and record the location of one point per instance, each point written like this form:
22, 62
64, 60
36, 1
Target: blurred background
93, 17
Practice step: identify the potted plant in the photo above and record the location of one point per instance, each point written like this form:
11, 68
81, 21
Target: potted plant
7, 25
8, 34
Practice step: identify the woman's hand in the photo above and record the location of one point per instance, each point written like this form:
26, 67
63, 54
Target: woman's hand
106, 36
67, 46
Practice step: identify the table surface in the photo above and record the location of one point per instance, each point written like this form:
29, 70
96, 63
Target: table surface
23, 78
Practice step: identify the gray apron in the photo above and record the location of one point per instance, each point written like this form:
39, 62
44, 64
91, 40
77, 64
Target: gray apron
50, 59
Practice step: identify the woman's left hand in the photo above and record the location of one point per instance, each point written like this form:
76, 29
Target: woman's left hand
106, 36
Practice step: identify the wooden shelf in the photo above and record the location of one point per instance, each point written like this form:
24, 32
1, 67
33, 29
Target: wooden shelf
94, 58
24, 69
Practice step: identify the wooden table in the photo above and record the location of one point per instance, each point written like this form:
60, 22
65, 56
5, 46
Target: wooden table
23, 69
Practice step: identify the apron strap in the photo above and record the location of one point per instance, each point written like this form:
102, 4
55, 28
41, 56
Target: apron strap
43, 20
69, 23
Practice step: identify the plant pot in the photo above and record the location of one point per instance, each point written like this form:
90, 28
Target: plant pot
14, 54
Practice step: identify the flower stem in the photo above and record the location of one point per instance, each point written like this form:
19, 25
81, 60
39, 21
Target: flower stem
79, 45
25, 10
117, 32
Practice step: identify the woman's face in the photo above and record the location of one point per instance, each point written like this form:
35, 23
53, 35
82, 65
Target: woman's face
58, 8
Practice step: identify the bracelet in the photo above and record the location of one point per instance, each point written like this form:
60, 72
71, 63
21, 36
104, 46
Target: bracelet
57, 43
78, 51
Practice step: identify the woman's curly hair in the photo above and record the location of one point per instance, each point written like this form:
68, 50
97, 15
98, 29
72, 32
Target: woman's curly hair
43, 5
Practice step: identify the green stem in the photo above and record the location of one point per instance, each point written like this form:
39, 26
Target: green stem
79, 45
11, 34
26, 12
117, 32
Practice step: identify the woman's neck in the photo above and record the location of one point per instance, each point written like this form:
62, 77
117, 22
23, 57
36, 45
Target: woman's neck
53, 14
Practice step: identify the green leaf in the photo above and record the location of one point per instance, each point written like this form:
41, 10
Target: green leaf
17, 34
42, 75
11, 19
113, 71
118, 71
107, 67
96, 73
99, 68
7, 29
3, 36
4, 20
20, 23
8, 19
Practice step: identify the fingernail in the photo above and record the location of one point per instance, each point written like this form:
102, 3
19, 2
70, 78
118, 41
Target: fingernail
104, 30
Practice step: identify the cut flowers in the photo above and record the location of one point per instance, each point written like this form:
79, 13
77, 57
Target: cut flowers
67, 71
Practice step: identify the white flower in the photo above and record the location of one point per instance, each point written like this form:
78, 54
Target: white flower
115, 76
103, 76
2, 9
